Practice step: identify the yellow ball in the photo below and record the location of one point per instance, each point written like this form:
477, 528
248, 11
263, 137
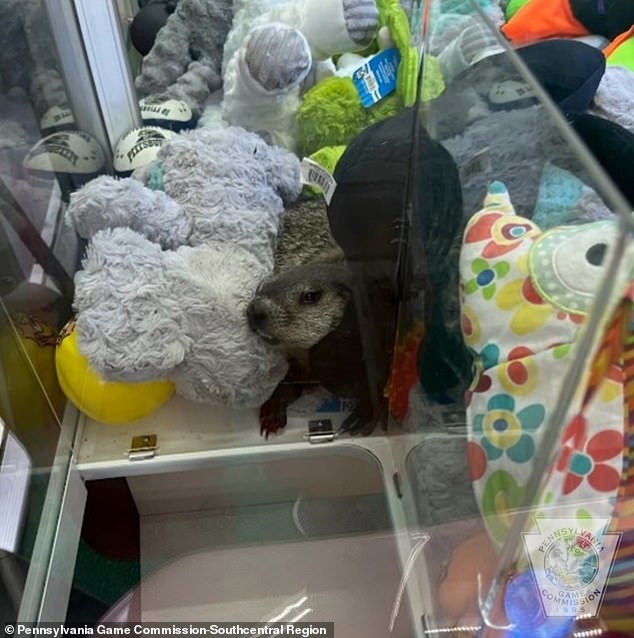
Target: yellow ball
27, 356
110, 402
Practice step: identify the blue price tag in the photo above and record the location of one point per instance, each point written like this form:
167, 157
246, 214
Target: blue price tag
376, 78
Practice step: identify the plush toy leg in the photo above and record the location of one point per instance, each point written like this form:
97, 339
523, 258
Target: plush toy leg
168, 58
131, 325
337, 26
194, 86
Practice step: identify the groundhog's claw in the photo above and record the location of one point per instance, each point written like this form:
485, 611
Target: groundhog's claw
356, 424
271, 420
273, 412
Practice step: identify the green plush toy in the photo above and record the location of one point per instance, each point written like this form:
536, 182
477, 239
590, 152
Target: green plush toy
513, 7
331, 113
393, 16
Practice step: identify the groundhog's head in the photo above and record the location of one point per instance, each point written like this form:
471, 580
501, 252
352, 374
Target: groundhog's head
298, 308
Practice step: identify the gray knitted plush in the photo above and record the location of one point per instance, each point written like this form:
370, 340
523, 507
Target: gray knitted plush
168, 274
277, 56
360, 20
185, 61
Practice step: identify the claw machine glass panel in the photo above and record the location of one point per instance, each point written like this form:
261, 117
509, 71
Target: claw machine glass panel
349, 309
52, 143
521, 302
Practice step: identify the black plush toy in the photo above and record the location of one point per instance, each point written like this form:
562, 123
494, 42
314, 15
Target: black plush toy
148, 21
613, 147
396, 213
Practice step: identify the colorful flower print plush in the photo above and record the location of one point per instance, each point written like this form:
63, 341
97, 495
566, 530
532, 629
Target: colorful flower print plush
524, 295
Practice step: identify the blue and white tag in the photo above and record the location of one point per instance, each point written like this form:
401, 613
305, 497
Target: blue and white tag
376, 78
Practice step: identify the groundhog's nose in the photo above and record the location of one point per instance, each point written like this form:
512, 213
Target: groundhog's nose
256, 315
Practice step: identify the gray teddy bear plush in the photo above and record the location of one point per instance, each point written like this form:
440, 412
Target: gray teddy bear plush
175, 254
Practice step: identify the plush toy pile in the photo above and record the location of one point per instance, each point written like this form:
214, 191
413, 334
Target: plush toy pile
262, 53
176, 250
174, 256
207, 193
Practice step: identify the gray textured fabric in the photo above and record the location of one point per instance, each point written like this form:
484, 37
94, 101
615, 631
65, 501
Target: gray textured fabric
439, 472
277, 56
361, 19
127, 203
195, 32
513, 147
458, 56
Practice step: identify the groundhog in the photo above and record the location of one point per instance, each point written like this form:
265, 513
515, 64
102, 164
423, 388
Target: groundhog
306, 308
396, 214
305, 297
304, 236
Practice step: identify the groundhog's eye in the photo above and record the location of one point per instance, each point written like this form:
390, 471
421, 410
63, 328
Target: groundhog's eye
309, 297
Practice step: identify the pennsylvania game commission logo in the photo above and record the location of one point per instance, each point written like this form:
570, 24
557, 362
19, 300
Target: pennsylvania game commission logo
571, 561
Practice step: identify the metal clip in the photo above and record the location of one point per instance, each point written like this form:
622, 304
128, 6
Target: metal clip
320, 431
143, 447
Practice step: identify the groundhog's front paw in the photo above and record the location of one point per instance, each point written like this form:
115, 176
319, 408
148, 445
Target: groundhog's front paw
272, 419
277, 57
273, 412
361, 19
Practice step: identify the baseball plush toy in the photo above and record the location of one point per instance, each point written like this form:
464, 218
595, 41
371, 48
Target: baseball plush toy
262, 52
175, 254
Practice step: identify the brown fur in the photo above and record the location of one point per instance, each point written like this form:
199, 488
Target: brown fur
304, 236
306, 308
305, 297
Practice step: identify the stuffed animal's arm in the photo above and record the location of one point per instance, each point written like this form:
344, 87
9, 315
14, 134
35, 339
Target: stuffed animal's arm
262, 82
105, 202
194, 86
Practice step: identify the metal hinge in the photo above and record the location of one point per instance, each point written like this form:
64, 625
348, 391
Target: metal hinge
320, 431
143, 447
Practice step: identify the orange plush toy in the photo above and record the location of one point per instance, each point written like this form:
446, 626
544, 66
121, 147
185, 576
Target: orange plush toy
541, 19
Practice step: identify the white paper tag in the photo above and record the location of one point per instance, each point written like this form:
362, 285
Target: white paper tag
313, 174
